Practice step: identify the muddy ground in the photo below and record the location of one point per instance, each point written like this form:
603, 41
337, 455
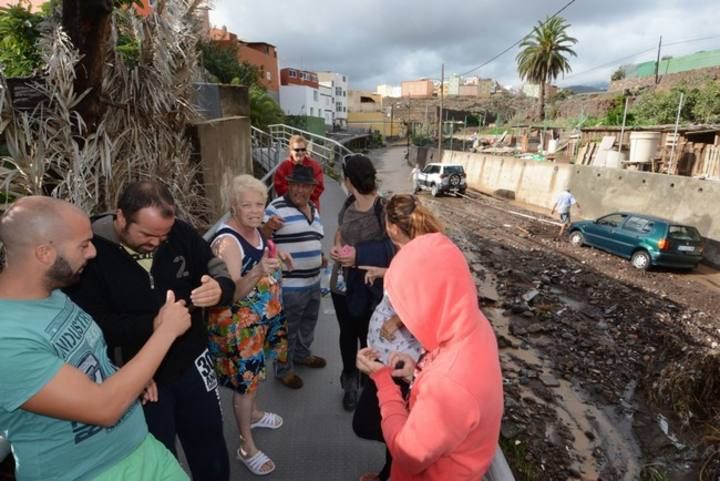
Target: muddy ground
610, 373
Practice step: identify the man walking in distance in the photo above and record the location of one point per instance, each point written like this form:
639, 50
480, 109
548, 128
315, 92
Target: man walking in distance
67, 411
298, 156
299, 236
143, 251
563, 205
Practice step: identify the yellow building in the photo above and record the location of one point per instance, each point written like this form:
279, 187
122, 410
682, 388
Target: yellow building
380, 121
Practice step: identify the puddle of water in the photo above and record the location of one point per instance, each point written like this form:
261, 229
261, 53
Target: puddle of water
611, 432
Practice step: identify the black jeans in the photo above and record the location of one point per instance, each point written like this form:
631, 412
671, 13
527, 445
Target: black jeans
367, 420
353, 331
187, 409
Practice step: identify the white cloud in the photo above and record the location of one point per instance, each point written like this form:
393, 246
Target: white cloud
386, 41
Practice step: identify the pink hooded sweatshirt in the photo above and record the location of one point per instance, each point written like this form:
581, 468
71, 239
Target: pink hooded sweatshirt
450, 429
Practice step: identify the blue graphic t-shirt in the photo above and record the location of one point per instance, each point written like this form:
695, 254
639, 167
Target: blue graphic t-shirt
36, 339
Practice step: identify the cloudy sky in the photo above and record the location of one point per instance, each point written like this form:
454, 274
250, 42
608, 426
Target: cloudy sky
386, 41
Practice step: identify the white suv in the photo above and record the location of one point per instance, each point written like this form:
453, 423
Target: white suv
441, 178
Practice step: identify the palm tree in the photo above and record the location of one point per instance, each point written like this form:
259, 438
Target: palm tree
544, 55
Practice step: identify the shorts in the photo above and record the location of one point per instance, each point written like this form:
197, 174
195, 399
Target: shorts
565, 217
151, 461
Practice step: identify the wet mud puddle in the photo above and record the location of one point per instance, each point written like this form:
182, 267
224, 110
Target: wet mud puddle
602, 440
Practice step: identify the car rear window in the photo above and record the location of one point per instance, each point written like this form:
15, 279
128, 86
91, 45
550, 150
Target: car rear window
684, 232
639, 224
454, 169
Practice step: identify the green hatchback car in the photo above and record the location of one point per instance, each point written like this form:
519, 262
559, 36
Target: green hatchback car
647, 241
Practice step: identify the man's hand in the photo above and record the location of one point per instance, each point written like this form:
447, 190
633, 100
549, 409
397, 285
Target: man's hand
150, 394
208, 294
366, 361
286, 259
275, 222
174, 315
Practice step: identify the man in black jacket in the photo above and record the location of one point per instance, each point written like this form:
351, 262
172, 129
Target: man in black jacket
142, 252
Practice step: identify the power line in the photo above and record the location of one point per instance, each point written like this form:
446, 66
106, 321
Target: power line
517, 42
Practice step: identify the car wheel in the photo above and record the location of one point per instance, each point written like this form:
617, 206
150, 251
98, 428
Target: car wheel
577, 238
435, 190
641, 260
454, 180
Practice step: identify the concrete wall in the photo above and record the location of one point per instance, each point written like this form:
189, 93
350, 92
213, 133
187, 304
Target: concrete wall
599, 190
224, 146
682, 199
526, 181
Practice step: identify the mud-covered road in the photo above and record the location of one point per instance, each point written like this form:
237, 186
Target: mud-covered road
610, 373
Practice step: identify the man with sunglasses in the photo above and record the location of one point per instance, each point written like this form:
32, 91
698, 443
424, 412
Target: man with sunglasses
298, 156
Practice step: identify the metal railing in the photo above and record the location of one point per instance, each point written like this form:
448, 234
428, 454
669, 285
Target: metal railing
270, 149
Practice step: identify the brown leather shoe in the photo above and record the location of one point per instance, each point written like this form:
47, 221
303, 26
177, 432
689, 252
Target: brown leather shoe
315, 362
291, 380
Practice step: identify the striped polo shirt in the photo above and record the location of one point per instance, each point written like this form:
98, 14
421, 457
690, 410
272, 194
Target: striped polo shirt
300, 238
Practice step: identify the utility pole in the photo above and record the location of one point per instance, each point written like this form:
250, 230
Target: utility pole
440, 119
657, 64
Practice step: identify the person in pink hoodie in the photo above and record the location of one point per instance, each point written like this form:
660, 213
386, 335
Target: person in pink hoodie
448, 429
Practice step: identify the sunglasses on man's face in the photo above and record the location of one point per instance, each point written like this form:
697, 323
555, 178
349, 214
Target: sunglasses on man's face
299, 150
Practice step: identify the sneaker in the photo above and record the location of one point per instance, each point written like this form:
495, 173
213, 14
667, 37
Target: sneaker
312, 361
291, 380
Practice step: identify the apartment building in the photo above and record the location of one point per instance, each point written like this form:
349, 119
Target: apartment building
338, 84
300, 93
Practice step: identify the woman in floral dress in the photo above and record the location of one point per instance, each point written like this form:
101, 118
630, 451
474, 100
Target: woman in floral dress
253, 329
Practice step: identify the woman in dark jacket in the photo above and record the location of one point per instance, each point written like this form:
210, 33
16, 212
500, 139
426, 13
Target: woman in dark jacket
360, 240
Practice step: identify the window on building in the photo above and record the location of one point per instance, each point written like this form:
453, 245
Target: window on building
344, 109
338, 92
312, 111
344, 79
292, 74
344, 93
315, 95
338, 107
268, 75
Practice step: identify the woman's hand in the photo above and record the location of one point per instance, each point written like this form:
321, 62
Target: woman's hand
268, 265
390, 327
345, 255
367, 362
373, 273
403, 366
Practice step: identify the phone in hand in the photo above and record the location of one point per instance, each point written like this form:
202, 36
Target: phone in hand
272, 249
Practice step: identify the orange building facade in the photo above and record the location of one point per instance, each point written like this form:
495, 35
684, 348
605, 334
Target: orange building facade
260, 54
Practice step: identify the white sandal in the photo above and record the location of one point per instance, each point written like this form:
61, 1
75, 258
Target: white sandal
256, 462
269, 421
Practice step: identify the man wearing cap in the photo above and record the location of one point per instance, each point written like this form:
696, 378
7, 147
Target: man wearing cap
300, 236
